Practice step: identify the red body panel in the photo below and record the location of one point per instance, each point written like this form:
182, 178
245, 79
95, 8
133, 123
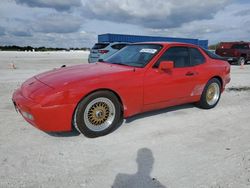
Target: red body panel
52, 97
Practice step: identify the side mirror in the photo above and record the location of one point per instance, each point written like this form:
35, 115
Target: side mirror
166, 66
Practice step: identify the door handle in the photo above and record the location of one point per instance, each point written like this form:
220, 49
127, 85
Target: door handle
190, 73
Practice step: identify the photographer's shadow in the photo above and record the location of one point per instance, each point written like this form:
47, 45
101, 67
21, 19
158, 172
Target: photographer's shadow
142, 178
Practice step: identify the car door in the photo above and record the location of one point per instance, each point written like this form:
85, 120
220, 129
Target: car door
164, 87
197, 61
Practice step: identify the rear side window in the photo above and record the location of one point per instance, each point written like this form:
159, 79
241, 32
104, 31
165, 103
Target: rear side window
118, 46
240, 46
212, 55
179, 55
98, 46
196, 58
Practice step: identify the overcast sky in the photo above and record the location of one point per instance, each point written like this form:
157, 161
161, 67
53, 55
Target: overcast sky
76, 23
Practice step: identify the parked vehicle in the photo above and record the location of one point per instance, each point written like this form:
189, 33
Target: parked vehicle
212, 51
94, 98
109, 37
235, 52
104, 50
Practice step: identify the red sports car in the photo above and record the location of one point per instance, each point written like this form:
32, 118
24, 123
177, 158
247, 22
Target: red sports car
141, 77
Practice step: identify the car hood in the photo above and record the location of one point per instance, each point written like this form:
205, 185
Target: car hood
63, 76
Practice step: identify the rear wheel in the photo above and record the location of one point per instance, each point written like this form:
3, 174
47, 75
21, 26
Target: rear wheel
98, 114
211, 94
241, 61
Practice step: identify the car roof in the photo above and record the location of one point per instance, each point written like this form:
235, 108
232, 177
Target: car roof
238, 42
119, 43
163, 43
113, 43
167, 43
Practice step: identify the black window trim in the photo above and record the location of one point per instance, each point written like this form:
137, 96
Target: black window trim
190, 63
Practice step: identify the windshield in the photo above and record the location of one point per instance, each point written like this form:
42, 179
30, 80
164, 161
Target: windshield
137, 55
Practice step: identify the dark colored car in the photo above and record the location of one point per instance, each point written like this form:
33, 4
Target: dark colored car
235, 52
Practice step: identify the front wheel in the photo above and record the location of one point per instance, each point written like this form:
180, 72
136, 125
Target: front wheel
98, 114
211, 94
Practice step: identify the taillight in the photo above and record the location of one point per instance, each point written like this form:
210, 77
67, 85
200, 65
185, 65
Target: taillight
228, 68
103, 51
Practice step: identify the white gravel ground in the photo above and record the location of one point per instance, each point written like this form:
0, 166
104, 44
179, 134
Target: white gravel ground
179, 147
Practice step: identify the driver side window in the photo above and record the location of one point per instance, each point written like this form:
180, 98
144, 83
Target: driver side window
179, 55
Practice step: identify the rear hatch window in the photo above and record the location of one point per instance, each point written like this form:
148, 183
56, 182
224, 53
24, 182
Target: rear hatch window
98, 46
213, 55
118, 46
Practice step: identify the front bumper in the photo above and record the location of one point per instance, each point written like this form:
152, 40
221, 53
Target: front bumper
54, 118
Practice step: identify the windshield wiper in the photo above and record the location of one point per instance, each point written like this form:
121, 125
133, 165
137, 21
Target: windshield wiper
122, 64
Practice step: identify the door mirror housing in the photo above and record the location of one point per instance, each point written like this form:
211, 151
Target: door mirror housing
166, 66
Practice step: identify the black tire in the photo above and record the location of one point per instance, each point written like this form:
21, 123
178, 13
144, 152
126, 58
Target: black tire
83, 124
204, 100
241, 60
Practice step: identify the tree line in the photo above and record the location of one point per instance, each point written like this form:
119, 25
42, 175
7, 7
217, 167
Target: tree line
44, 49
40, 49
213, 46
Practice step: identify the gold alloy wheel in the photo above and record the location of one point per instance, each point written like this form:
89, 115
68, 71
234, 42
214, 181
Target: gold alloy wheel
99, 114
213, 93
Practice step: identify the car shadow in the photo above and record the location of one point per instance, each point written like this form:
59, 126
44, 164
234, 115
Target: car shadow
72, 133
157, 112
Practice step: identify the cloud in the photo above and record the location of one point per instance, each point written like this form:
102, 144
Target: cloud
52, 40
218, 29
57, 23
157, 14
21, 33
59, 5
60, 23
245, 12
2, 31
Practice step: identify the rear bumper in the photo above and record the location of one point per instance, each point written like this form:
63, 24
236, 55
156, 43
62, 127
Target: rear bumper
232, 59
49, 119
93, 59
226, 80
